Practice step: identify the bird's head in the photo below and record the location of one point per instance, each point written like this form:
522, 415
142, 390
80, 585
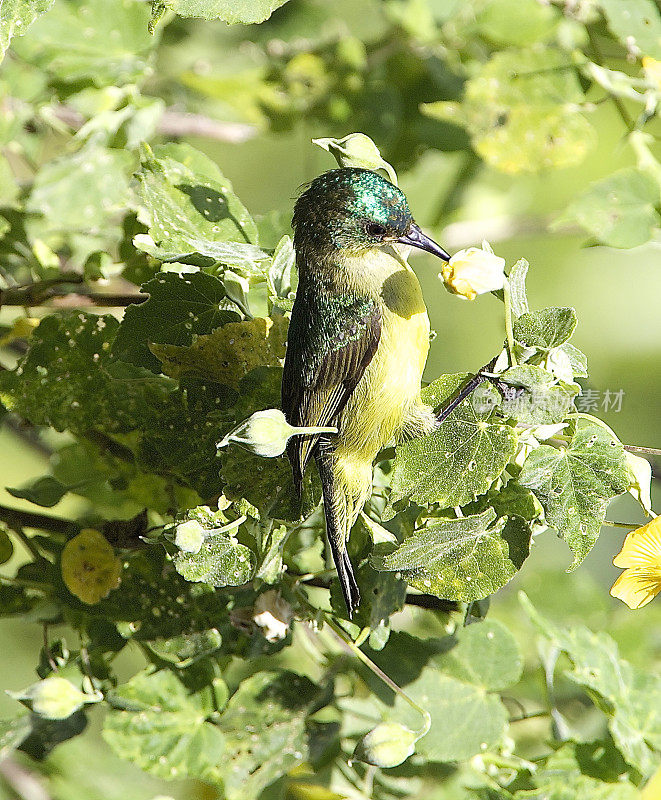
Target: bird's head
353, 209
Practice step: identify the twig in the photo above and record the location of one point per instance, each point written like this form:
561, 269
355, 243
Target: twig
177, 123
30, 519
628, 525
109, 445
390, 683
26, 541
426, 601
617, 102
634, 448
25, 785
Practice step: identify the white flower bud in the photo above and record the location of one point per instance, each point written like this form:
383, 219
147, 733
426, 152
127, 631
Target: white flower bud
273, 615
189, 536
54, 698
266, 433
473, 271
357, 150
388, 745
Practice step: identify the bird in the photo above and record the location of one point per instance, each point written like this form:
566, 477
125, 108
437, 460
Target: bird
357, 342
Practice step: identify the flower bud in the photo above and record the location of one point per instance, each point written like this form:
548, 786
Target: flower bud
189, 536
388, 745
640, 479
266, 433
90, 569
357, 150
54, 698
471, 272
272, 613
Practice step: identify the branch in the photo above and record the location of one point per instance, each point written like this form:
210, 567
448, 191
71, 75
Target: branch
177, 123
16, 518
40, 292
427, 601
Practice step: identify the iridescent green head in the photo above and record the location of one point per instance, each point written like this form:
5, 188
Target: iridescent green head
354, 209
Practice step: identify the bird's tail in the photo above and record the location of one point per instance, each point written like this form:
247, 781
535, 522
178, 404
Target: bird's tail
346, 485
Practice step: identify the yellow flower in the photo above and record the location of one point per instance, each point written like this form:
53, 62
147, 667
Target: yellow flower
473, 271
640, 557
652, 70
90, 569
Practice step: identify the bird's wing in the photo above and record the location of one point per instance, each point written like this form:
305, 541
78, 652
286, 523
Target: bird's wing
331, 341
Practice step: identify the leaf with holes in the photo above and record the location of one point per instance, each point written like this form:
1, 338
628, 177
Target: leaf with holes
190, 208
158, 724
265, 728
574, 484
179, 308
16, 16
459, 559
460, 460
221, 561
631, 697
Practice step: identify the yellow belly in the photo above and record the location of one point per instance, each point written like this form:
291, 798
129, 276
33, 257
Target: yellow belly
377, 411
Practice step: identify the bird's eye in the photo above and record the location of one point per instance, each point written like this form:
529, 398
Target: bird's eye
375, 230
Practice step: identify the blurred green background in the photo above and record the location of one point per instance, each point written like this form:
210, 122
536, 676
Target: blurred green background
616, 293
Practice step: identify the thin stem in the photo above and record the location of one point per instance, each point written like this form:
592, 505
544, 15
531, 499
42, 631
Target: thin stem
628, 525
634, 448
617, 102
26, 542
532, 715
390, 683
509, 332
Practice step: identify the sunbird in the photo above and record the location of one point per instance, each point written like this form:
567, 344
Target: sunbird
357, 343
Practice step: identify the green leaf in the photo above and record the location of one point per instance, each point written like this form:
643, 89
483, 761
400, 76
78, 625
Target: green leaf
69, 380
618, 210
517, 281
12, 734
188, 648
271, 546
16, 16
229, 353
264, 726
522, 110
179, 308
574, 484
459, 559
164, 729
484, 654
265, 482
465, 719
190, 208
457, 462
636, 24
631, 697
381, 595
546, 328
104, 41
545, 401
44, 491
513, 23
232, 11
221, 561
567, 362
591, 771
81, 194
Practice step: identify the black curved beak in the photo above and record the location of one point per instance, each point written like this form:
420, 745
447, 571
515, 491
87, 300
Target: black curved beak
416, 238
